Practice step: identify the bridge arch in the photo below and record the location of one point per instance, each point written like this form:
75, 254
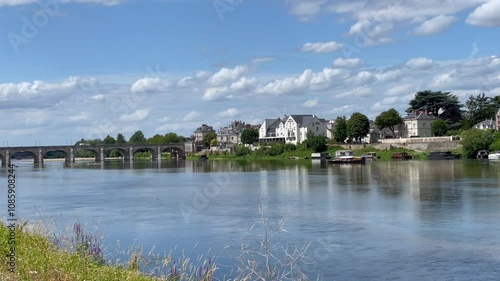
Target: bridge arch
175, 151
123, 151
95, 151
150, 149
67, 156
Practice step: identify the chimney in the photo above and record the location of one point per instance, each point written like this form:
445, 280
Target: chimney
417, 112
426, 112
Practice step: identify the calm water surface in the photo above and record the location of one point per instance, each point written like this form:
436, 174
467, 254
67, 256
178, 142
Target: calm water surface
414, 220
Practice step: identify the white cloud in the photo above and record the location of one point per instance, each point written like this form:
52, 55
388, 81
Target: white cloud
243, 84
488, 14
215, 93
98, 97
225, 75
322, 47
420, 63
356, 93
230, 112
310, 103
287, 85
136, 116
435, 25
150, 84
191, 116
347, 63
337, 111
185, 82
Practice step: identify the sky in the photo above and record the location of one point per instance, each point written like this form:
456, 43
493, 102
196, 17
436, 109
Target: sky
72, 69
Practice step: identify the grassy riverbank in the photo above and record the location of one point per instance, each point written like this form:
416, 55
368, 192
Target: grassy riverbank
291, 152
40, 256
37, 258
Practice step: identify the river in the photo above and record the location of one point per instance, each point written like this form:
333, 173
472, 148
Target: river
402, 220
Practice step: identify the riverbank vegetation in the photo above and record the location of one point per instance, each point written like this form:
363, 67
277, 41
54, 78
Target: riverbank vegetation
41, 254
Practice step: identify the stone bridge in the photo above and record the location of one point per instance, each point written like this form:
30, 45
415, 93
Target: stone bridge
178, 150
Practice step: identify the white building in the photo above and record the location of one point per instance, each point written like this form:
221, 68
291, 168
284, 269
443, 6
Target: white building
417, 124
498, 120
292, 129
201, 131
486, 125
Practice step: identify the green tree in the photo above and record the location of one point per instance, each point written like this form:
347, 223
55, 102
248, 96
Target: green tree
441, 104
474, 140
317, 143
173, 138
340, 131
249, 136
480, 108
213, 142
157, 139
389, 119
137, 138
120, 139
207, 139
109, 140
439, 128
358, 126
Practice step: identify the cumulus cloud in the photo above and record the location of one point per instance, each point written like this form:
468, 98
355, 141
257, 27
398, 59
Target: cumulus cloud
230, 112
347, 63
150, 84
435, 25
136, 116
288, 84
225, 75
215, 93
322, 47
356, 93
310, 103
191, 116
420, 63
486, 15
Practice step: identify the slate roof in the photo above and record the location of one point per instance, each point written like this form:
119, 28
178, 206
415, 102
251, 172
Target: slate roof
488, 122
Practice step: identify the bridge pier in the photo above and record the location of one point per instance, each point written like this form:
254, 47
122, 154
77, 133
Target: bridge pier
100, 156
131, 154
70, 158
39, 157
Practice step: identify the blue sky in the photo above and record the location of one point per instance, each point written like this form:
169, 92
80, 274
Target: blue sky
72, 69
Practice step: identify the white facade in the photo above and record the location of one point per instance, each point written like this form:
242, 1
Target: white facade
292, 129
417, 124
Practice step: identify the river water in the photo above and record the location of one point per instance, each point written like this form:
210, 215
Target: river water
404, 220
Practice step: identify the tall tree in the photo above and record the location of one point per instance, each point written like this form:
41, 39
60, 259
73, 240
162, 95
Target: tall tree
389, 119
207, 139
440, 104
474, 140
249, 136
109, 140
173, 138
439, 128
340, 131
358, 126
120, 139
137, 138
480, 108
157, 139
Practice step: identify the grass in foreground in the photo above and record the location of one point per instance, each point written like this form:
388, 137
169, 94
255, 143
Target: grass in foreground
80, 258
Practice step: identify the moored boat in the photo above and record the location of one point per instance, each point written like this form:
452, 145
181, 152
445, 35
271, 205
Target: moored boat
494, 156
347, 160
482, 154
401, 156
370, 156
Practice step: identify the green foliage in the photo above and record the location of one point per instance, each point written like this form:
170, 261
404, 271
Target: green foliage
474, 140
316, 143
137, 138
242, 150
340, 132
120, 139
213, 143
249, 136
439, 128
207, 139
358, 126
174, 138
289, 147
454, 133
480, 108
495, 146
441, 104
157, 139
109, 140
388, 119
